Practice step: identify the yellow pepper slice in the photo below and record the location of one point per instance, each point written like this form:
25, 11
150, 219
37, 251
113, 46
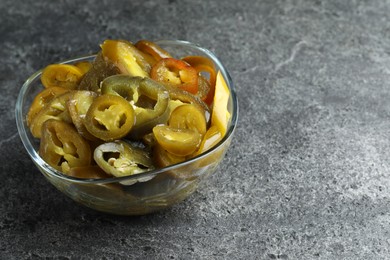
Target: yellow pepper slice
188, 116
126, 57
55, 109
61, 75
41, 100
220, 115
178, 141
163, 158
84, 66
210, 139
78, 106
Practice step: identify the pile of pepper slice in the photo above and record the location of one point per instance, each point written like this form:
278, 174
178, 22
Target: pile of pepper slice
133, 109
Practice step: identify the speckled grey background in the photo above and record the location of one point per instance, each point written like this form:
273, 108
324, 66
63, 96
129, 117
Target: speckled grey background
307, 175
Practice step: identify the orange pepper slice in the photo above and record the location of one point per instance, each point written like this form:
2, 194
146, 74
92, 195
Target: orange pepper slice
176, 72
204, 64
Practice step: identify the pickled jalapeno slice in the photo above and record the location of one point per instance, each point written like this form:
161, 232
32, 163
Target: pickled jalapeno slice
84, 66
109, 117
55, 109
78, 105
177, 141
62, 147
41, 100
204, 65
149, 99
61, 75
177, 73
162, 158
121, 85
188, 116
126, 57
122, 159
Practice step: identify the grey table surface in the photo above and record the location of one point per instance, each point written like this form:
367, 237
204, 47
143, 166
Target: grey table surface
307, 174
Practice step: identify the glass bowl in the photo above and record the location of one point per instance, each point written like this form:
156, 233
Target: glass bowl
150, 191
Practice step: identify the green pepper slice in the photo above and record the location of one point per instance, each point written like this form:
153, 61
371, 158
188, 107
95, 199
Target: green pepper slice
109, 117
122, 85
149, 99
122, 159
62, 147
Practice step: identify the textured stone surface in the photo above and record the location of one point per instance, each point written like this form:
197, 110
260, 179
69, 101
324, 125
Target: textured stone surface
307, 175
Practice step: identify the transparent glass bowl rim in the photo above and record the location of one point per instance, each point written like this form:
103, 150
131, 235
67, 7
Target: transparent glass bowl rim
50, 170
